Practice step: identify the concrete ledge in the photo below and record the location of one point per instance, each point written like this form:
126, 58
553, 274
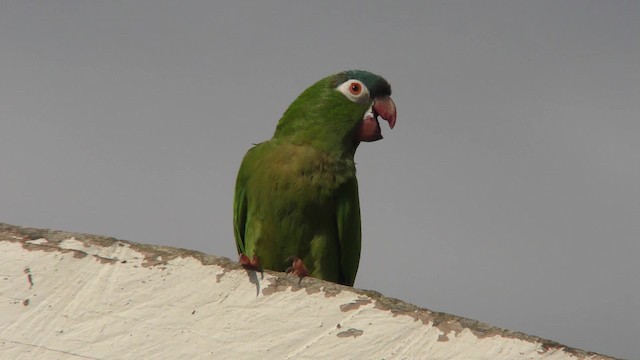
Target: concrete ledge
75, 296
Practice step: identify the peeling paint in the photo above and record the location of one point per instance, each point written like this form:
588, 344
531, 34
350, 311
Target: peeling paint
219, 276
40, 241
275, 286
355, 304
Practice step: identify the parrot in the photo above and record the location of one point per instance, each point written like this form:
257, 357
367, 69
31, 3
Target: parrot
296, 195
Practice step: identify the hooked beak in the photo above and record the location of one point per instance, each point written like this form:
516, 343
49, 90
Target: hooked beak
369, 128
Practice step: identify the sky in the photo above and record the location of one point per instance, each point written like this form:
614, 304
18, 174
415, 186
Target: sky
508, 192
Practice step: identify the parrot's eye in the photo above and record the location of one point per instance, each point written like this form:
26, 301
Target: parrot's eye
355, 88
355, 91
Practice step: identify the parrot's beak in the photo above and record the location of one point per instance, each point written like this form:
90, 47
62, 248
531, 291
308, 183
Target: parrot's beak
369, 128
386, 108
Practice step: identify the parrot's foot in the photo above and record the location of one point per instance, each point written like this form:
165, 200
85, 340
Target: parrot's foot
251, 264
297, 267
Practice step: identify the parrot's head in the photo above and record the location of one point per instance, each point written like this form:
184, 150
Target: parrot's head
340, 111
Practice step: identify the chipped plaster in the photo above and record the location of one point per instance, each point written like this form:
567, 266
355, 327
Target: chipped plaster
77, 296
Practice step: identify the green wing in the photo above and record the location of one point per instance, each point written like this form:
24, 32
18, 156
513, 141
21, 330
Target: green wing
240, 209
348, 218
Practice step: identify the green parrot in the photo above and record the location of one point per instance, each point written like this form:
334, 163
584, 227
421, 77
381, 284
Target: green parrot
296, 195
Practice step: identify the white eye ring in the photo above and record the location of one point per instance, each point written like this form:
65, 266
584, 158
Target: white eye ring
355, 91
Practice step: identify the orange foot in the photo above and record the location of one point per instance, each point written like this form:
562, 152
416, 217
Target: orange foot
297, 267
253, 264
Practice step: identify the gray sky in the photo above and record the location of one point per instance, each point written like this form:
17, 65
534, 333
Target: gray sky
509, 191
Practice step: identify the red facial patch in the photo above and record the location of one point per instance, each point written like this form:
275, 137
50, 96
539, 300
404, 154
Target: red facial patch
369, 128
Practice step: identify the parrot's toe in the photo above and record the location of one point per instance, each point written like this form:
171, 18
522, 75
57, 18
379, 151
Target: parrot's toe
297, 267
250, 264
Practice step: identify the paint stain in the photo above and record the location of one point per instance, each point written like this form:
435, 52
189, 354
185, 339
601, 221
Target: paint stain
349, 333
29, 277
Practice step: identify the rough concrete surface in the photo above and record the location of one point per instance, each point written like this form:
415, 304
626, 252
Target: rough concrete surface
76, 296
